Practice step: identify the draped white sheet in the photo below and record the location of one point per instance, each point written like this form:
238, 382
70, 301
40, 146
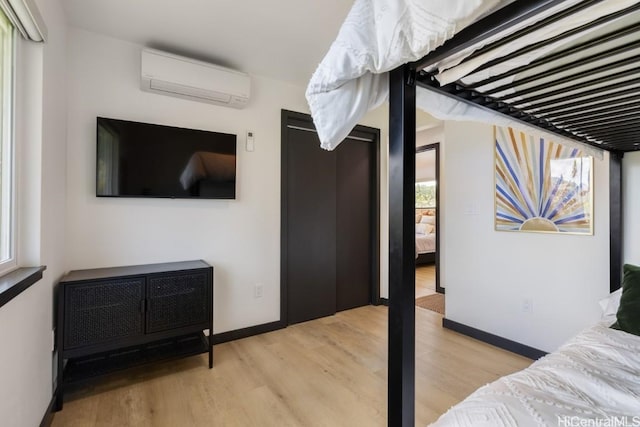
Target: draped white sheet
380, 35
446, 108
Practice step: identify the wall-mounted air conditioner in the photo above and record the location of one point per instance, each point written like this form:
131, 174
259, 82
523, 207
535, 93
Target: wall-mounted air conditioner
187, 78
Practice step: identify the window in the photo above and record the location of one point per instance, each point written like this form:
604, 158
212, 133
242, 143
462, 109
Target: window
426, 194
7, 196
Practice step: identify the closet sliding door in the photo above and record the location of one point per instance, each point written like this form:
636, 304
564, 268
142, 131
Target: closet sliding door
355, 202
311, 214
330, 221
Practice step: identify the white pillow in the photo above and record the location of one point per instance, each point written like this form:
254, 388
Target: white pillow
610, 304
421, 228
427, 219
424, 229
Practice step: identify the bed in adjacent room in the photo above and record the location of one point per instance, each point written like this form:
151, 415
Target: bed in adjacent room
425, 236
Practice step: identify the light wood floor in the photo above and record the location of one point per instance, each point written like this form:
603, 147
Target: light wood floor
425, 280
326, 372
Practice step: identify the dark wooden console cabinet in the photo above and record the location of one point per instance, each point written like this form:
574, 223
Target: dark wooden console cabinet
114, 318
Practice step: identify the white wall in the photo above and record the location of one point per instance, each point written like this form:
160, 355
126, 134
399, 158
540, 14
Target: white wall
430, 136
426, 166
379, 118
26, 321
631, 207
426, 160
488, 274
240, 238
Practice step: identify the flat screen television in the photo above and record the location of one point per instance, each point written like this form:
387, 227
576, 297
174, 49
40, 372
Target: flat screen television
146, 160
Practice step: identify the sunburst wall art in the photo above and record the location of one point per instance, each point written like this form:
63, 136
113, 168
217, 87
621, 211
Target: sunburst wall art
541, 186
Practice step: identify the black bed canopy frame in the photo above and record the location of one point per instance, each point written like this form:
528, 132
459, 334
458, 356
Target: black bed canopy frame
602, 116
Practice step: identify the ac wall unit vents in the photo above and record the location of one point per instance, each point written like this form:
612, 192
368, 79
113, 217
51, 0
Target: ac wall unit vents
187, 78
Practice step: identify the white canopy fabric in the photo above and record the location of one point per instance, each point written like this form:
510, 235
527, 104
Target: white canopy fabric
376, 37
450, 71
446, 108
380, 35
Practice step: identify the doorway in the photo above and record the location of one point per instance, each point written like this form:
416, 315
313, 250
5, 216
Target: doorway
330, 221
428, 220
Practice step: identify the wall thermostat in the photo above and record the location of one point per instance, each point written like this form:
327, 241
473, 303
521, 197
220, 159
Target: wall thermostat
250, 142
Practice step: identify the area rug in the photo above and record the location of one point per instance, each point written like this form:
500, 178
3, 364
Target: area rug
433, 302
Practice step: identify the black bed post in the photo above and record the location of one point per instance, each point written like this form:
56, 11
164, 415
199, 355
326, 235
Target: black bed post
615, 219
402, 171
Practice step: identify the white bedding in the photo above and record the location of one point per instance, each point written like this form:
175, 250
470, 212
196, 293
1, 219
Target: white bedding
425, 243
446, 108
595, 376
380, 35
451, 71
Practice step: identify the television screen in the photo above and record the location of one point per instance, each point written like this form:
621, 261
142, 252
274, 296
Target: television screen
147, 160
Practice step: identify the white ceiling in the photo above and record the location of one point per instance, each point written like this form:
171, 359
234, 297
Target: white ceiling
281, 39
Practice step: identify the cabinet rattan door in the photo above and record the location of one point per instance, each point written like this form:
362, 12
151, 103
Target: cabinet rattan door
103, 311
176, 301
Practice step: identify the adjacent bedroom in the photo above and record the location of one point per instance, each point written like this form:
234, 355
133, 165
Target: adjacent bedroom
429, 138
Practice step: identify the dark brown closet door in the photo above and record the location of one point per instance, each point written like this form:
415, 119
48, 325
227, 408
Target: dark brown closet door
330, 221
311, 228
354, 240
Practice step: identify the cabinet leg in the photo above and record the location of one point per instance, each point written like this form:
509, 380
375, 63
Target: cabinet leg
210, 352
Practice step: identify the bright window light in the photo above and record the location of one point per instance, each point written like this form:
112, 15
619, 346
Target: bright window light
7, 196
426, 194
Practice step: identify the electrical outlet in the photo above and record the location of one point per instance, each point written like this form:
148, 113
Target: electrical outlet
258, 290
527, 305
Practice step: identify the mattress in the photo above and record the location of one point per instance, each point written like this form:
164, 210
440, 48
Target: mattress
425, 243
594, 378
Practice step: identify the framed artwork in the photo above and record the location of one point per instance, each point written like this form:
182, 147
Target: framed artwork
541, 186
